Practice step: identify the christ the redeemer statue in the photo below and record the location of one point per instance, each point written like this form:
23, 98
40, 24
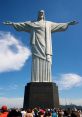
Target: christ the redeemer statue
41, 44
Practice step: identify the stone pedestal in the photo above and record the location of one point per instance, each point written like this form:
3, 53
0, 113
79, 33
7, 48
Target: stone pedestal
44, 95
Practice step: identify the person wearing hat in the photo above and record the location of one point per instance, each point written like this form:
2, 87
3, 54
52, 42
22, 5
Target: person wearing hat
4, 111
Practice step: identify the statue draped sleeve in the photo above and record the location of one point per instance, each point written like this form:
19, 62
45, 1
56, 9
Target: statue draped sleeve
58, 27
24, 26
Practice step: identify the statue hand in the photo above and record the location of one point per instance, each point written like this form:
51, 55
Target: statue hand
7, 23
73, 23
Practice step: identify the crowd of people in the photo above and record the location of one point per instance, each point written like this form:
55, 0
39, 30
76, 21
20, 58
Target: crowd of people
39, 112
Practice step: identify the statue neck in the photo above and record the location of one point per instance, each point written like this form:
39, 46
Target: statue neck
41, 20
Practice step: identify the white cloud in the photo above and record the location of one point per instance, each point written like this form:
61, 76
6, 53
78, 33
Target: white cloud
13, 53
9, 88
11, 102
15, 86
67, 101
18, 102
67, 81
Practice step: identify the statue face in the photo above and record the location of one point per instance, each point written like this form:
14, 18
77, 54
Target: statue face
41, 15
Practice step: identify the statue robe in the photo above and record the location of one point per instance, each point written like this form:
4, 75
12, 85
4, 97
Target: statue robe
41, 46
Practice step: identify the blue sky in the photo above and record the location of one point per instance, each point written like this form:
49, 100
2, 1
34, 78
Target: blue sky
15, 55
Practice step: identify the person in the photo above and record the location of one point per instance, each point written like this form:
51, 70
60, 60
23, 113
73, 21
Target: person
60, 113
4, 111
73, 113
29, 113
23, 112
48, 114
41, 44
54, 113
14, 113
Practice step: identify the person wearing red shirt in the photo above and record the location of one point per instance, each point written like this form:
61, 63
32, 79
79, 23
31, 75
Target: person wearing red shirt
4, 111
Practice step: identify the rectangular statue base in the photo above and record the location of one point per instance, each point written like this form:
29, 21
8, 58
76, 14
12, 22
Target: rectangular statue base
44, 95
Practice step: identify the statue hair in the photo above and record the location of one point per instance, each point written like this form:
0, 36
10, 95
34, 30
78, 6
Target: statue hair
43, 15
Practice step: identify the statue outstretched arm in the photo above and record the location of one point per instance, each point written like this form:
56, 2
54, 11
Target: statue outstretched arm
73, 22
24, 26
58, 27
8, 23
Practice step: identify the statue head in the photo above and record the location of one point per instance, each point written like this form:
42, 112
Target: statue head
41, 15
